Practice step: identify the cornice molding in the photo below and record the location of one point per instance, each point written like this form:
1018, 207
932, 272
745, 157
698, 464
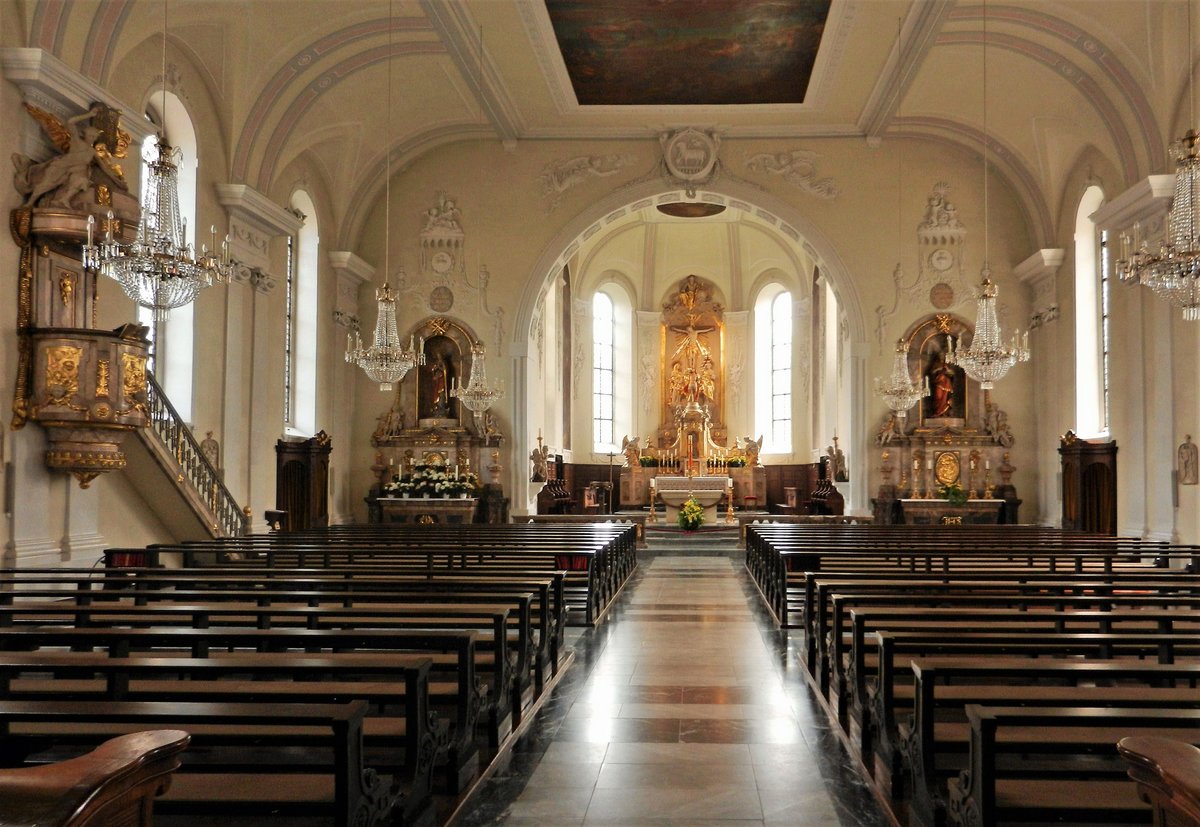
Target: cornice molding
351, 265
1147, 199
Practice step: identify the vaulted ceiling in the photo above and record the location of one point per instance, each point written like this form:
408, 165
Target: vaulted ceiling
310, 78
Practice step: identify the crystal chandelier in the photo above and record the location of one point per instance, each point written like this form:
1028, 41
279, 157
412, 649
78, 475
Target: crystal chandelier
478, 395
988, 359
1172, 271
386, 361
901, 391
158, 269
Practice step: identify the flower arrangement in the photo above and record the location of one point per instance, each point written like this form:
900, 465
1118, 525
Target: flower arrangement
647, 461
735, 462
953, 494
691, 514
432, 481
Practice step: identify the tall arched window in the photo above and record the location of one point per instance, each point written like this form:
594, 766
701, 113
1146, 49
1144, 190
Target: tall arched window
612, 372
300, 348
603, 363
773, 368
173, 341
1091, 320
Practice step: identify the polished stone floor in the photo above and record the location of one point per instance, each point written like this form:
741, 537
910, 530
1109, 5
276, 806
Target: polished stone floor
684, 708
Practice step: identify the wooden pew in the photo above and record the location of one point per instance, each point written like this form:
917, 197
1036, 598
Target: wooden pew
1075, 784
1168, 777
116, 783
934, 746
335, 781
451, 653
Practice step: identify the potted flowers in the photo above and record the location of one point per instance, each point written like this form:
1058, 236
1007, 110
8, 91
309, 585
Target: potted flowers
432, 481
953, 494
691, 514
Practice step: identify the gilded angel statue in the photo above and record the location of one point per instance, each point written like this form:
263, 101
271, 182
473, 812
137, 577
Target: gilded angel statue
66, 180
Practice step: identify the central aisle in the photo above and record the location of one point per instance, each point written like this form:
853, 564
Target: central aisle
679, 710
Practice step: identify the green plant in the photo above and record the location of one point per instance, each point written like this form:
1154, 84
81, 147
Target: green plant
953, 494
691, 514
736, 462
648, 461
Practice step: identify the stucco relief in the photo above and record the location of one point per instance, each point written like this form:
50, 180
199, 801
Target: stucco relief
559, 176
798, 168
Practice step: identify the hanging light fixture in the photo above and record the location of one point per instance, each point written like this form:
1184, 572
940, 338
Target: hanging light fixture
158, 269
901, 391
1173, 271
478, 394
987, 359
386, 361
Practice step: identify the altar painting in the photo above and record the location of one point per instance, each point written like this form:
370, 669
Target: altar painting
436, 377
948, 400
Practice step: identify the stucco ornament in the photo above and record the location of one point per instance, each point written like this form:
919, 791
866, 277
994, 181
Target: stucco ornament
560, 176
690, 157
798, 168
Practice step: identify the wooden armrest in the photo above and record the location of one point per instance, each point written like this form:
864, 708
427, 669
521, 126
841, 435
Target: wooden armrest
111, 784
1168, 776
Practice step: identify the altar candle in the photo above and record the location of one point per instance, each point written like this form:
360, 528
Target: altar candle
987, 465
928, 465
916, 464
391, 460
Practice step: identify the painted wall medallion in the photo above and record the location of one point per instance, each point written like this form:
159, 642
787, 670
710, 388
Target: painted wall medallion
441, 299
941, 295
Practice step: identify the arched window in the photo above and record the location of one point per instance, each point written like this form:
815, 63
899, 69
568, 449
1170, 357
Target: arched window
773, 368
300, 344
612, 372
172, 341
1091, 319
603, 363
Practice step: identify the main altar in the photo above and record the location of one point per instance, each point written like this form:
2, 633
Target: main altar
690, 453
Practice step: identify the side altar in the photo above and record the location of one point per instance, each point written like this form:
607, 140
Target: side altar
955, 437
692, 441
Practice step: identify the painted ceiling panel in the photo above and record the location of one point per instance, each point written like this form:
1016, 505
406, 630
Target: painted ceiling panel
688, 52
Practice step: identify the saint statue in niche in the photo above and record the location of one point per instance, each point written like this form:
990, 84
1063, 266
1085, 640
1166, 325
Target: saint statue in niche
436, 379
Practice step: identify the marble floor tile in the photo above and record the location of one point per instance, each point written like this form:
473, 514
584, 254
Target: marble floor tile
685, 708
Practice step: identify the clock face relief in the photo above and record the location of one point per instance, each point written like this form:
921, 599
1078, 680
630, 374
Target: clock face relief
941, 260
442, 262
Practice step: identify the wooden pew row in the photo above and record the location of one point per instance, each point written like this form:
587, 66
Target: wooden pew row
787, 597
829, 596
597, 567
935, 743
336, 781
462, 700
347, 587
503, 663
116, 783
851, 610
1074, 783
397, 726
1168, 777
897, 649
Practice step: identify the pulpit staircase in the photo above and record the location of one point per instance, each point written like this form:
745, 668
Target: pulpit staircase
167, 468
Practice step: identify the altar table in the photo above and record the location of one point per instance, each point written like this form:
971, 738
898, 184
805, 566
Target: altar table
940, 512
675, 491
427, 511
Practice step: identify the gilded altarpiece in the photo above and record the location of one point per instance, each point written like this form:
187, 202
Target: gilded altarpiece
692, 438
954, 436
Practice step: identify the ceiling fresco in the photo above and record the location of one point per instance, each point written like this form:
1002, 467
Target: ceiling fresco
688, 52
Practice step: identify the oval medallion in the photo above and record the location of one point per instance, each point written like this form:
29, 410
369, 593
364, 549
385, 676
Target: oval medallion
441, 299
941, 295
